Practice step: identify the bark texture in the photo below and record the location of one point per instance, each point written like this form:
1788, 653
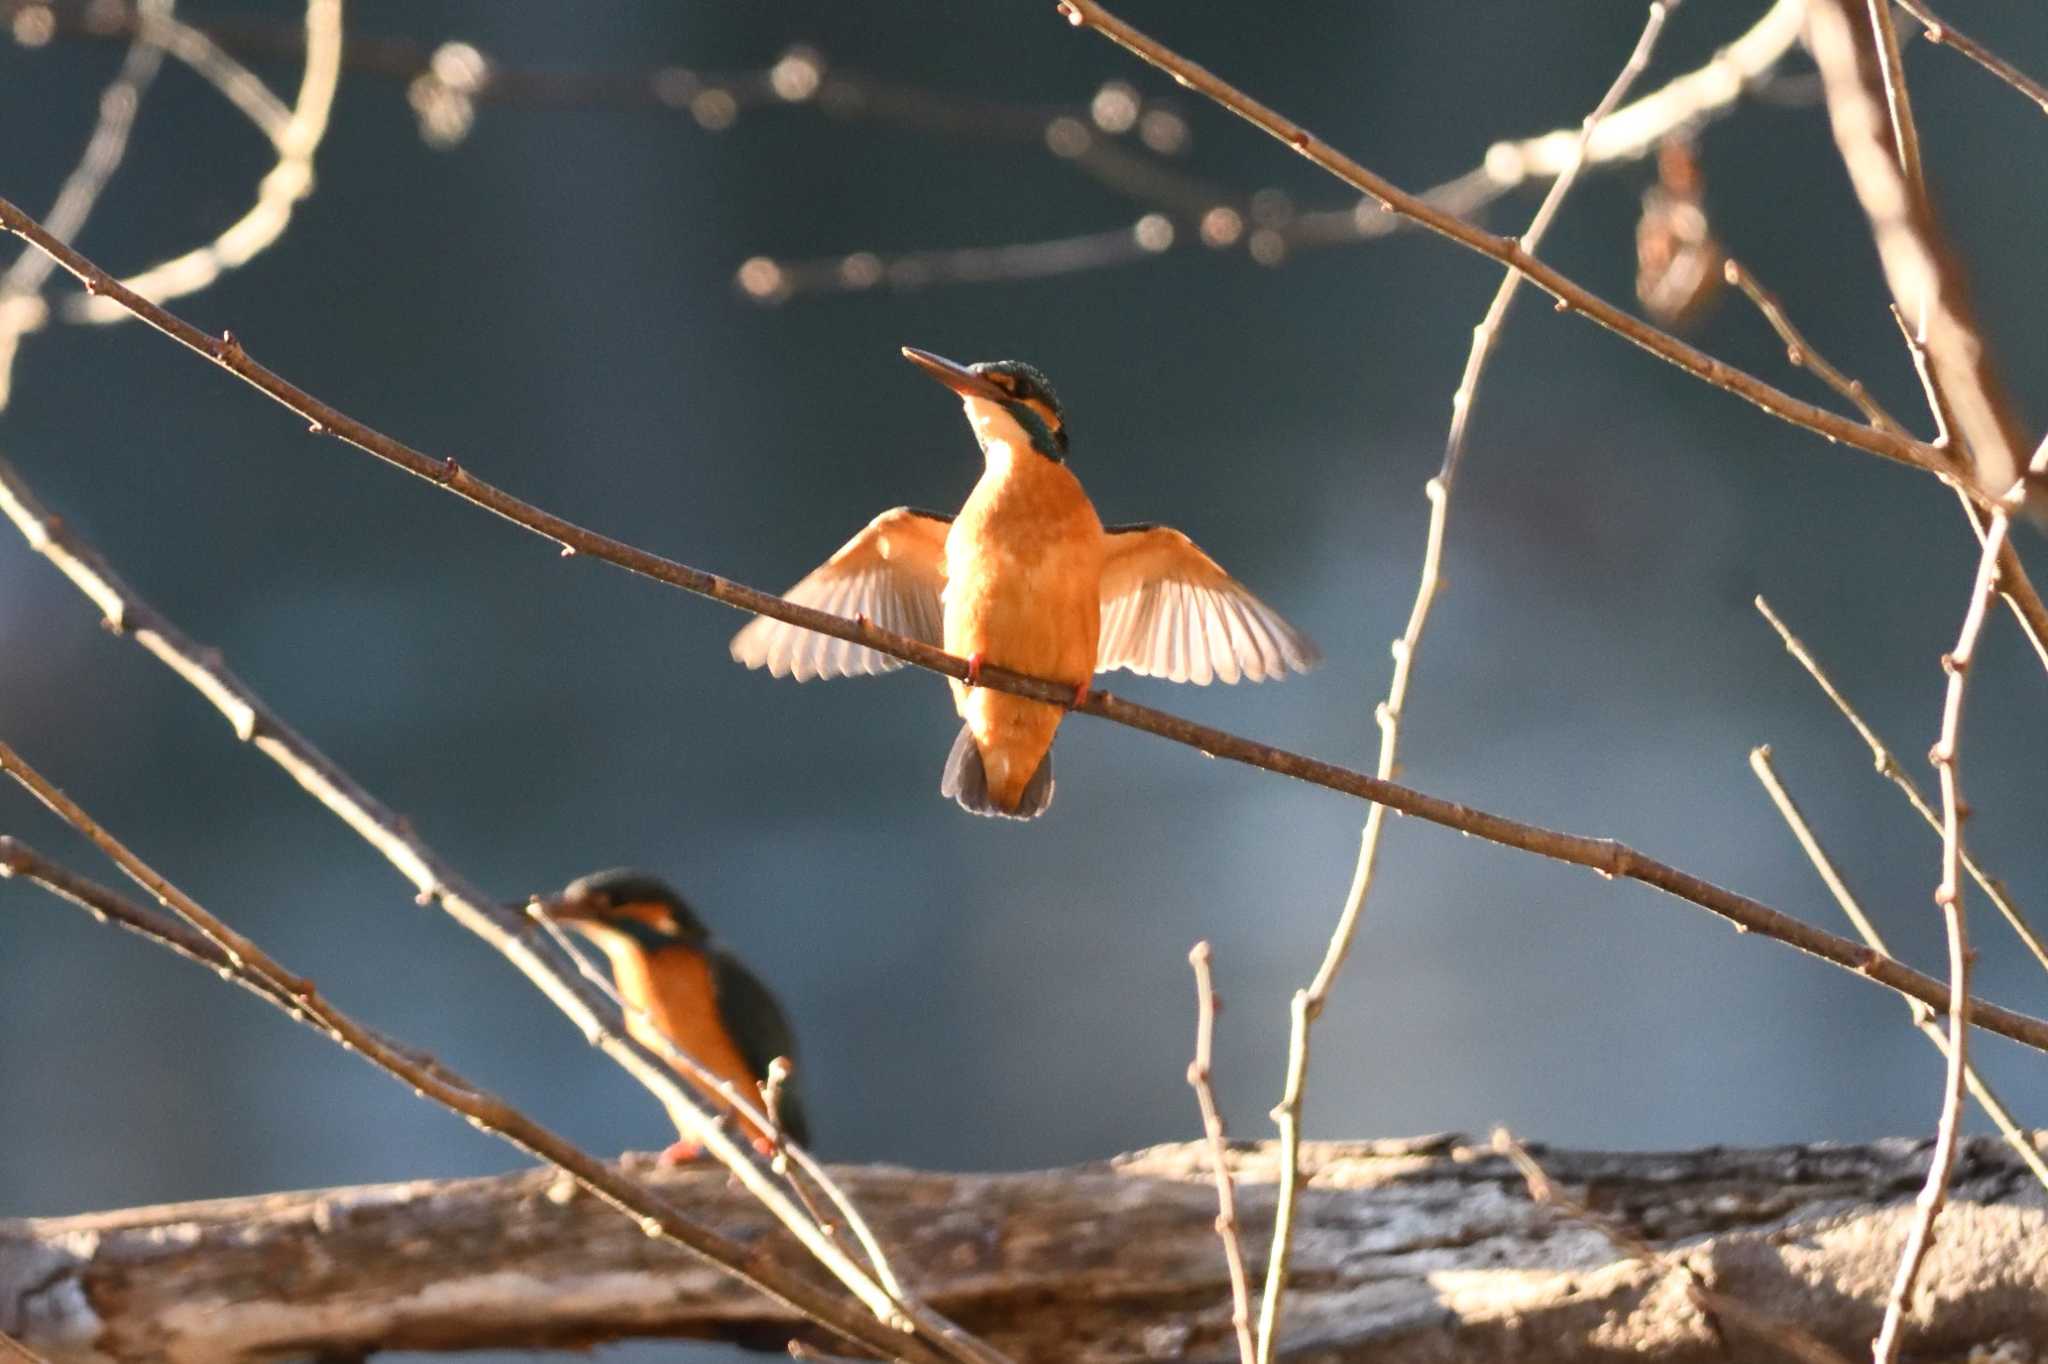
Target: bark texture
1423, 1250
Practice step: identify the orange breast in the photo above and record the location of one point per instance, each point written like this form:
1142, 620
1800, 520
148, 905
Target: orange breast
1023, 589
674, 997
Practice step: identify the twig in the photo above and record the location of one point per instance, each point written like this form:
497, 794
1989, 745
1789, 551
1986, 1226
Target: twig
1924, 279
299, 998
1889, 767
111, 907
1717, 1307
289, 181
2014, 585
1219, 1154
1799, 351
21, 307
1940, 30
1304, 1011
1571, 297
1949, 895
333, 788
1923, 1017
436, 881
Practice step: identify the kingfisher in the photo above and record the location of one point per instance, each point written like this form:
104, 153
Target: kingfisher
681, 986
1025, 577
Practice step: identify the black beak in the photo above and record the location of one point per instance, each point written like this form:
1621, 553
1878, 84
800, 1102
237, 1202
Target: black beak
957, 377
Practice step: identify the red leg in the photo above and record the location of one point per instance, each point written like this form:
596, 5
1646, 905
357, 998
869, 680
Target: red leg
974, 662
679, 1153
1080, 696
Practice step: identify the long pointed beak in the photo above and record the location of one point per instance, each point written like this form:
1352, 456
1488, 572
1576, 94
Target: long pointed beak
953, 375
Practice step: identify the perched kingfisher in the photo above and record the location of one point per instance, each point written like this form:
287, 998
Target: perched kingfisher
681, 985
1025, 577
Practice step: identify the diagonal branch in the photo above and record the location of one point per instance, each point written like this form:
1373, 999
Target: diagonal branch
1570, 296
1923, 1017
1940, 30
1889, 767
435, 879
268, 978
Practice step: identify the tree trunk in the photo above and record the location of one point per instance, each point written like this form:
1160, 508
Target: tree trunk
1420, 1250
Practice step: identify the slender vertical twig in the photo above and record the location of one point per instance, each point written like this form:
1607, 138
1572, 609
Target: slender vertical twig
1923, 1017
1219, 1154
1305, 1006
1893, 771
1949, 895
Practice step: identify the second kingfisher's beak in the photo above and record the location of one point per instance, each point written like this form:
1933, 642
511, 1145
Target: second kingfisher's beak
560, 908
957, 377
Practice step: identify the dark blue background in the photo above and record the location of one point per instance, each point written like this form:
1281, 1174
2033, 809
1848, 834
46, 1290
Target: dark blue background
552, 304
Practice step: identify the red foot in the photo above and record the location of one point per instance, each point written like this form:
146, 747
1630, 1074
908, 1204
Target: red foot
974, 662
1080, 696
679, 1153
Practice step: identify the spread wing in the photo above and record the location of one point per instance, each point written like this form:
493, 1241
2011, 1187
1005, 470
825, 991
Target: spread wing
1169, 611
892, 573
758, 1028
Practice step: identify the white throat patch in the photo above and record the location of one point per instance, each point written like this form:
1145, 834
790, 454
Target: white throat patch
996, 429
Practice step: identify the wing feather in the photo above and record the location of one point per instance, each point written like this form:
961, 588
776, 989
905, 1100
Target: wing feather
892, 572
1169, 611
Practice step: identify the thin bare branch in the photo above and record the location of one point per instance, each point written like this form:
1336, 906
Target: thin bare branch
1949, 895
1890, 768
2015, 587
289, 181
1571, 297
1924, 278
1219, 1154
1800, 352
21, 306
19, 1352
331, 786
1923, 1017
1940, 30
436, 881
1388, 713
298, 997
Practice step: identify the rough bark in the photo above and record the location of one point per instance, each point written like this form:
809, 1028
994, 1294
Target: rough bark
1422, 1250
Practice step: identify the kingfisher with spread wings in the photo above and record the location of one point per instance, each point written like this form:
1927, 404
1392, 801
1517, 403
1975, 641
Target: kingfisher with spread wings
1025, 577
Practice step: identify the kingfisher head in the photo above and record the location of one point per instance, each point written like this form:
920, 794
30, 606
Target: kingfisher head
1008, 402
622, 907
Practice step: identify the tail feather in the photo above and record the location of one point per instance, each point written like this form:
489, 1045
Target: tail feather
966, 781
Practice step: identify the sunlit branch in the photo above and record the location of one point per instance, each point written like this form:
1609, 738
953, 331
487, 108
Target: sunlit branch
1941, 31
433, 877
1923, 1017
1889, 767
265, 977
1570, 296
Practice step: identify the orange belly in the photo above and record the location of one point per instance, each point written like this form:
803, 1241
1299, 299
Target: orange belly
683, 1008
1023, 590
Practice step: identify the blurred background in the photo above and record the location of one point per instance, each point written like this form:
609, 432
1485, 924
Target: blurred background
552, 301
